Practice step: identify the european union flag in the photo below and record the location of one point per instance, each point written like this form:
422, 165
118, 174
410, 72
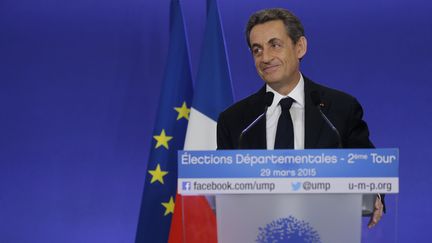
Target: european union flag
157, 205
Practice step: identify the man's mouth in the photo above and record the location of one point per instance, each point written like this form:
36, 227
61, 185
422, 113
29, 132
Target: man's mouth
270, 68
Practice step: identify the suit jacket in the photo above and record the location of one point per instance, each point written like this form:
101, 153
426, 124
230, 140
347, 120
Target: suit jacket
343, 111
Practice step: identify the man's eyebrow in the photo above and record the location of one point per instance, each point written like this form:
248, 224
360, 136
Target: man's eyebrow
273, 40
255, 45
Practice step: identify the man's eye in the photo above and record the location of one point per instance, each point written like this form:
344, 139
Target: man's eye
256, 51
276, 45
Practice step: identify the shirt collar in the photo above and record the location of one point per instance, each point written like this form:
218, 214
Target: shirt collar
297, 94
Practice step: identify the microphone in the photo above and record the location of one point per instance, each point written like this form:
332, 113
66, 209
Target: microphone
316, 100
268, 100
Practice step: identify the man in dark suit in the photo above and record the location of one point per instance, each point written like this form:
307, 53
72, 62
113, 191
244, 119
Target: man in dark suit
277, 42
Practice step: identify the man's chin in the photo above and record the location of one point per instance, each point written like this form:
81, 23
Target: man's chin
271, 81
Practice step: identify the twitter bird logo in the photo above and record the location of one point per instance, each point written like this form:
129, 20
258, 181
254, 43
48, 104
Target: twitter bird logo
295, 186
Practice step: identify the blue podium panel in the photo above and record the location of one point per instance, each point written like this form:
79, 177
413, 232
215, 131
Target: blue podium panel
288, 171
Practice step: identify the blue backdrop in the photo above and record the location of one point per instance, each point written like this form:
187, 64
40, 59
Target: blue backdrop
80, 82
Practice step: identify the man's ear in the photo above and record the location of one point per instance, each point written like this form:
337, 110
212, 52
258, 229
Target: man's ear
301, 47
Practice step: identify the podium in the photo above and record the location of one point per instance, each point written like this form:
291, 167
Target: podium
289, 195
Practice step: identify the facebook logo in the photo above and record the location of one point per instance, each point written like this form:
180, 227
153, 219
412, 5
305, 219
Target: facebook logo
186, 185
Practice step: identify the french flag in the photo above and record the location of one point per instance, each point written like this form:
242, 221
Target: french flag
212, 95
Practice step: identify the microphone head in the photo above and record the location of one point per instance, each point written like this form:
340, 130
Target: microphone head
268, 99
316, 99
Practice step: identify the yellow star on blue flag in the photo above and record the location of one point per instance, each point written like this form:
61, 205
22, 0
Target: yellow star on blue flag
169, 206
162, 139
157, 174
183, 111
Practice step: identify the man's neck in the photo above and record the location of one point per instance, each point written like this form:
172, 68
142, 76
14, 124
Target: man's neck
284, 88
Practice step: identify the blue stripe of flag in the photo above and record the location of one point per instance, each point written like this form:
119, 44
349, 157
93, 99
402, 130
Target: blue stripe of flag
213, 89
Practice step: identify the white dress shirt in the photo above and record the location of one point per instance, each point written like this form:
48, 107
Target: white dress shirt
297, 112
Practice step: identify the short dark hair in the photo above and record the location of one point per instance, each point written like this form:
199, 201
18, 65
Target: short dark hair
293, 26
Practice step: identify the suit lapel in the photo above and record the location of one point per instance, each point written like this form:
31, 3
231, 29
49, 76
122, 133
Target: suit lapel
256, 137
313, 119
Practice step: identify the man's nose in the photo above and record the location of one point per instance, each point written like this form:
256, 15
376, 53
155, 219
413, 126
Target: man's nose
266, 56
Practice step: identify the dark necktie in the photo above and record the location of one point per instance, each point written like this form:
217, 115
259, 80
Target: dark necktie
285, 130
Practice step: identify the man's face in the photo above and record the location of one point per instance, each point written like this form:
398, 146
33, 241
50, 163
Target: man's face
276, 57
